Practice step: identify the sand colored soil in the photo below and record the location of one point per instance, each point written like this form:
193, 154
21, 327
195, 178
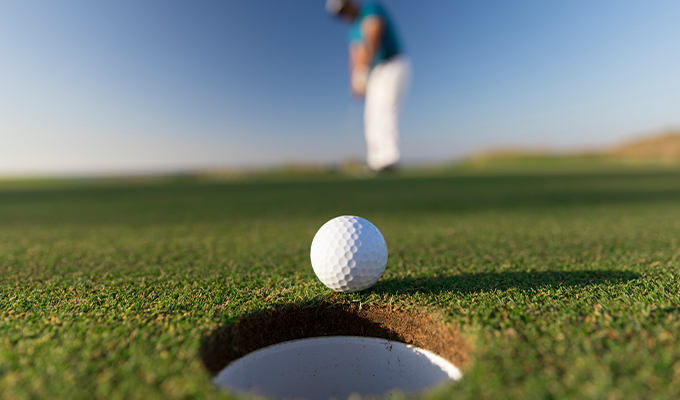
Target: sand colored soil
664, 146
298, 321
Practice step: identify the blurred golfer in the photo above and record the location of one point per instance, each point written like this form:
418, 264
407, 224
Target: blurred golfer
380, 72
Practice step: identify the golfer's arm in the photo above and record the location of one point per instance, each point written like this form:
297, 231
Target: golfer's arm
372, 28
361, 52
357, 56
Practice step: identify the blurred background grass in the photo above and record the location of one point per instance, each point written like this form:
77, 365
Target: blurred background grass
566, 283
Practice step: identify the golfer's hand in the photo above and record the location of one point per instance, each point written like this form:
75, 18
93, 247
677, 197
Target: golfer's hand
358, 81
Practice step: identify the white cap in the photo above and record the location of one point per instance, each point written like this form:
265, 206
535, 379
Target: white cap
334, 6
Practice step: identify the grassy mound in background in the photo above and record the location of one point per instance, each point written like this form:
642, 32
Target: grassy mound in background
566, 285
651, 153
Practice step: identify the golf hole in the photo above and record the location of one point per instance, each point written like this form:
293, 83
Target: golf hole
333, 351
336, 367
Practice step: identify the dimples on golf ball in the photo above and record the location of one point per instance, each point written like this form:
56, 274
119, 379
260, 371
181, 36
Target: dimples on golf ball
349, 254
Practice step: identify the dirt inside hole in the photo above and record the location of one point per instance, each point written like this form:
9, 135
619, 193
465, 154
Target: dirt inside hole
298, 321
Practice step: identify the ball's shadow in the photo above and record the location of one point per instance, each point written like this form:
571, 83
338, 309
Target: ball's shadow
492, 281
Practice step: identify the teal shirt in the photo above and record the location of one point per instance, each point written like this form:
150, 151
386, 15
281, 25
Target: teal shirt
390, 41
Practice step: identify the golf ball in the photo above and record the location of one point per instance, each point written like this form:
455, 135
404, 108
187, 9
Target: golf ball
348, 254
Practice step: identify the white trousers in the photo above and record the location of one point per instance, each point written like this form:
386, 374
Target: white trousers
385, 91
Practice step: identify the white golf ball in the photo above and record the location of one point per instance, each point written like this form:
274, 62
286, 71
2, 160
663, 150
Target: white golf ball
348, 254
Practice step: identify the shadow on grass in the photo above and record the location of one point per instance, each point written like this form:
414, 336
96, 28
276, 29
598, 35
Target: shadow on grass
491, 281
284, 322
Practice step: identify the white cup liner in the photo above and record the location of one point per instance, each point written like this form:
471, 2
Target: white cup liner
336, 366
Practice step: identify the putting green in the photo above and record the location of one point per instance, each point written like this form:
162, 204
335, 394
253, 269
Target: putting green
565, 285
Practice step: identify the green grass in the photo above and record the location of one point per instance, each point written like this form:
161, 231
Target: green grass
546, 163
566, 285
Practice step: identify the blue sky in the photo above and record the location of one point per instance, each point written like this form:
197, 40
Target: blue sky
160, 85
